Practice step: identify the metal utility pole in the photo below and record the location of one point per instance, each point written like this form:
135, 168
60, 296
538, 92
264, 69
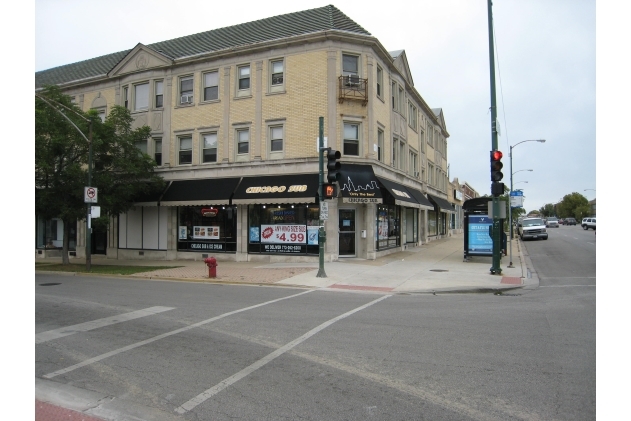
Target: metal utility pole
321, 232
497, 240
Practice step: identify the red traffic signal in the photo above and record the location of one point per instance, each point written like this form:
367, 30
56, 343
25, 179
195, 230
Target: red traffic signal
496, 166
496, 155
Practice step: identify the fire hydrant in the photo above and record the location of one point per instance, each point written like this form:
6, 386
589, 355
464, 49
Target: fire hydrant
211, 262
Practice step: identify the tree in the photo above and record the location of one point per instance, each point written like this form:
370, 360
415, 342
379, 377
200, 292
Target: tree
574, 205
547, 210
120, 172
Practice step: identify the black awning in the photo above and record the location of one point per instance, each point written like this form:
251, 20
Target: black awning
359, 184
402, 196
288, 188
424, 203
443, 204
207, 191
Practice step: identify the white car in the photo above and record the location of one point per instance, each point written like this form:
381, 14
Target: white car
588, 223
552, 222
532, 228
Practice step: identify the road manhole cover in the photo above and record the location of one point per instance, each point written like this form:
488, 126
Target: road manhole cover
438, 270
50, 284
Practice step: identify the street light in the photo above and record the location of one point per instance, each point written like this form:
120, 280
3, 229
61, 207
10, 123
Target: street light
517, 182
510, 209
518, 171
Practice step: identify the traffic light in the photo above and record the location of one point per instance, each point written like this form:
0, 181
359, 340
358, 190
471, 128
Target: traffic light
496, 166
333, 165
329, 191
497, 188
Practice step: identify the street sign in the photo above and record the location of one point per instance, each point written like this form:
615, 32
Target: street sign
324, 211
90, 194
517, 199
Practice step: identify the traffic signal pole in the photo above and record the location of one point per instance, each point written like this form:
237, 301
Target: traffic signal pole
495, 267
321, 232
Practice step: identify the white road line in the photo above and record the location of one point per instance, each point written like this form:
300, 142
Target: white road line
95, 324
565, 286
187, 406
162, 336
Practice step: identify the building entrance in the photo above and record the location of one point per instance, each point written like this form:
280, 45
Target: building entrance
347, 232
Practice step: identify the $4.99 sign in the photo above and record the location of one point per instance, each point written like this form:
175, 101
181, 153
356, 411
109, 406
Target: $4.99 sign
283, 234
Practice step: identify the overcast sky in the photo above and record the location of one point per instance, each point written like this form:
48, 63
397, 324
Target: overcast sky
545, 70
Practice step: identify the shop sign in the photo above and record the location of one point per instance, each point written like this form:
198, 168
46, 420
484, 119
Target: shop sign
296, 188
206, 246
401, 193
210, 212
361, 200
209, 233
280, 234
282, 248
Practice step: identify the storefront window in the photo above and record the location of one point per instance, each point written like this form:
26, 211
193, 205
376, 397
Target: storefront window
283, 229
432, 223
207, 228
50, 234
388, 225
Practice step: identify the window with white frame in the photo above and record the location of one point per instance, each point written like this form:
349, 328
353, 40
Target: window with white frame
422, 137
209, 147
125, 98
413, 164
395, 102
142, 145
276, 136
380, 149
157, 150
350, 69
277, 75
430, 136
243, 73
395, 152
141, 96
243, 141
412, 116
186, 90
211, 85
159, 94
185, 150
379, 82
351, 139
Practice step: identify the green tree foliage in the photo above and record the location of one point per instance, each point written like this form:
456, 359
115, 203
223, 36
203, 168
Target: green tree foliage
120, 171
547, 210
574, 205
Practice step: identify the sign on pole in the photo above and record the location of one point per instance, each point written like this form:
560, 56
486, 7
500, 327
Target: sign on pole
324, 210
90, 194
516, 199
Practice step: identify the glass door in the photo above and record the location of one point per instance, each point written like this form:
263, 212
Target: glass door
347, 232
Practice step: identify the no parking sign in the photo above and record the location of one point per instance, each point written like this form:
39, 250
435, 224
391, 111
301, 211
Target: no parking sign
90, 194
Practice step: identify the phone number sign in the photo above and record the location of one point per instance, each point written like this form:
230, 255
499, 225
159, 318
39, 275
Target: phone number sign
284, 234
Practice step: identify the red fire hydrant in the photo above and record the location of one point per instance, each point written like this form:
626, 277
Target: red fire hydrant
211, 262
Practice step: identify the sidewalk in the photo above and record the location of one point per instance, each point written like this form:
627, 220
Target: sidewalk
437, 266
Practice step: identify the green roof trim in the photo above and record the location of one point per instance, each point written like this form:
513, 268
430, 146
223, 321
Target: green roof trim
277, 27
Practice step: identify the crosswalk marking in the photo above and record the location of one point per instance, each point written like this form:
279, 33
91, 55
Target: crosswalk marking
95, 324
202, 397
162, 336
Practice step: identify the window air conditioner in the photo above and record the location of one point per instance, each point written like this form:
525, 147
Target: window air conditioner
186, 99
416, 174
352, 80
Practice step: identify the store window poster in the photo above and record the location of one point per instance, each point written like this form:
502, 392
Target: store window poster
208, 233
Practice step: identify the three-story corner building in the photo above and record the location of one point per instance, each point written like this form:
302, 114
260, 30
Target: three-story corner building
234, 114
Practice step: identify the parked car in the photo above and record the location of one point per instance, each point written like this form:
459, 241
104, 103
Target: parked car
552, 222
569, 221
588, 223
532, 228
561, 221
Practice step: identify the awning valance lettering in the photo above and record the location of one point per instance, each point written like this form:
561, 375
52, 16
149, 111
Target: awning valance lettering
402, 196
287, 188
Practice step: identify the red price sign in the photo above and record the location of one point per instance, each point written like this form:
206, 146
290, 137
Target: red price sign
284, 234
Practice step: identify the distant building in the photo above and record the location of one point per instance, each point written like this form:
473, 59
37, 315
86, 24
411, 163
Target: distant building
592, 205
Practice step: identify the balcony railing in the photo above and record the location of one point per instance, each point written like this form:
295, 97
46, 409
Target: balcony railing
351, 87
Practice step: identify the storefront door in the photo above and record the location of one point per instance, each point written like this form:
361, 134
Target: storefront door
347, 232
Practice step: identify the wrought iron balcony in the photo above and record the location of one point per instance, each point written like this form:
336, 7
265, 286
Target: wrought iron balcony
351, 87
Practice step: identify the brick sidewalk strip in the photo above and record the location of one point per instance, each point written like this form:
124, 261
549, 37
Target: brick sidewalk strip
48, 412
231, 274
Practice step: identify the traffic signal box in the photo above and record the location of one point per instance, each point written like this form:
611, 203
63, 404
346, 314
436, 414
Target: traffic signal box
333, 165
497, 187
